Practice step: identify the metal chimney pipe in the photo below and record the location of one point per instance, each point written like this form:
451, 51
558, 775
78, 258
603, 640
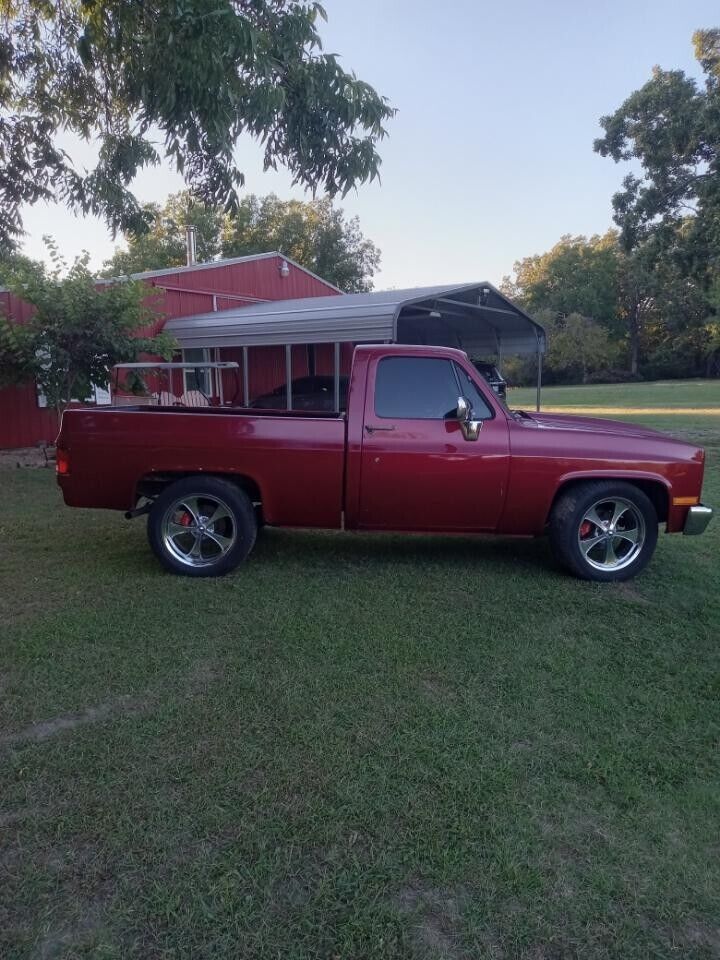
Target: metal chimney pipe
190, 244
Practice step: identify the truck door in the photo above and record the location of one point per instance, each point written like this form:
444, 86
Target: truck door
418, 472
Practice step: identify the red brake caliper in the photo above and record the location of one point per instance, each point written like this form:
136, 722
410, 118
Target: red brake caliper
585, 529
185, 519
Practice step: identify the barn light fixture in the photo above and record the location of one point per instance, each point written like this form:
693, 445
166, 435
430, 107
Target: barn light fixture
435, 315
284, 269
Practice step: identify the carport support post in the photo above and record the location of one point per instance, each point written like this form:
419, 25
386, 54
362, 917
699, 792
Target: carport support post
336, 384
219, 377
246, 378
539, 379
288, 373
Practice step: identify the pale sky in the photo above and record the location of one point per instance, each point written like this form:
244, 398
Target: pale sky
490, 157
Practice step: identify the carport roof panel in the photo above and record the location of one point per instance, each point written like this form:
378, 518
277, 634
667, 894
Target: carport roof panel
359, 317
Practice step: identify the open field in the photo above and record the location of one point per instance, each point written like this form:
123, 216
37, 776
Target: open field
675, 394
359, 746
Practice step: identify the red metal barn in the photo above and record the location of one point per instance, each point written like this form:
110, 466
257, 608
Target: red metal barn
182, 292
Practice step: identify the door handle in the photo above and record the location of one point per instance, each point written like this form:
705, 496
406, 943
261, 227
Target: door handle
371, 428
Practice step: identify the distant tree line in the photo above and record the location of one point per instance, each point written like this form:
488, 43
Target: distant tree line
642, 301
314, 233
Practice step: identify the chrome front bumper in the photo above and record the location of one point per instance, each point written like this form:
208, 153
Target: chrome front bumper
697, 520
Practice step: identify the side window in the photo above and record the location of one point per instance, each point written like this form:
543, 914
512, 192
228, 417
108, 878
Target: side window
471, 392
415, 388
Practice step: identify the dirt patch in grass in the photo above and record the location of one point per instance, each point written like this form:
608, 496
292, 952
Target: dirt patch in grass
73, 921
203, 674
698, 934
72, 937
435, 916
309, 871
50, 728
26, 457
437, 689
630, 591
11, 817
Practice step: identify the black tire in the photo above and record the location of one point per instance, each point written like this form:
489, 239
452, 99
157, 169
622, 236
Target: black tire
581, 545
223, 543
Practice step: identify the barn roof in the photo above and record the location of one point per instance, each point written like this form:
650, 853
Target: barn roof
474, 316
219, 264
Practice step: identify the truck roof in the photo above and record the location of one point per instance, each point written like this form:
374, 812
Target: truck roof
410, 349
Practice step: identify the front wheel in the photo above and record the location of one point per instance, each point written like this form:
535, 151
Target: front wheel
202, 527
604, 530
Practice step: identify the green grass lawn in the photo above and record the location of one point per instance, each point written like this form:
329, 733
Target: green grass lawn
674, 393
355, 746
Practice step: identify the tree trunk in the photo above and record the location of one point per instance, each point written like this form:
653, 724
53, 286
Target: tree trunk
634, 339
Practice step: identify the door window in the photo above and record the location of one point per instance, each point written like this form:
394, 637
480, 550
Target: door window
415, 388
468, 389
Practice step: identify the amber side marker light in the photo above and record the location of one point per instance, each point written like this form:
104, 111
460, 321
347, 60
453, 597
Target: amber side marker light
62, 462
686, 501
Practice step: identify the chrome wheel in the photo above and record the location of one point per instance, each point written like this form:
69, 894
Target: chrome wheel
199, 531
611, 534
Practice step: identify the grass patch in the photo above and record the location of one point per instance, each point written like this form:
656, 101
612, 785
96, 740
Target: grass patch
677, 394
355, 746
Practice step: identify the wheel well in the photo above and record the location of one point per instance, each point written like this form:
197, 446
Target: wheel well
152, 484
653, 489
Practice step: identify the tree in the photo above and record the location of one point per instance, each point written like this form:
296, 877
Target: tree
599, 280
314, 233
577, 275
671, 126
202, 73
78, 331
164, 245
593, 277
669, 216
577, 347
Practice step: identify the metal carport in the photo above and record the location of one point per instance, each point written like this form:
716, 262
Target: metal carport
475, 317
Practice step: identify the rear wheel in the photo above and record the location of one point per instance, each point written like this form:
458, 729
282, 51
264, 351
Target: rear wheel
202, 527
604, 530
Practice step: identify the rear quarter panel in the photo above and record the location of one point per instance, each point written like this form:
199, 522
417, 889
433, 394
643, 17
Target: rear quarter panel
297, 462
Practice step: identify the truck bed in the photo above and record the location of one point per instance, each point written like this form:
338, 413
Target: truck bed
297, 459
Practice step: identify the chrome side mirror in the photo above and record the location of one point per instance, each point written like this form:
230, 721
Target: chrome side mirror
470, 428
463, 409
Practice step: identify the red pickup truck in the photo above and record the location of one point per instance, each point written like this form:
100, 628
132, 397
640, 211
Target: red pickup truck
425, 446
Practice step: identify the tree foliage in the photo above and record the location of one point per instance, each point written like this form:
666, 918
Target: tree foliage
579, 348
201, 72
653, 287
577, 275
591, 280
164, 244
653, 320
669, 213
314, 233
671, 127
78, 330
